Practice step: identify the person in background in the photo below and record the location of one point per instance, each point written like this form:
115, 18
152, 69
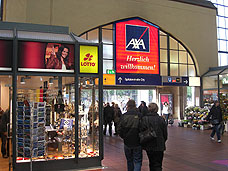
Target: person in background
3, 129
113, 105
215, 115
128, 130
154, 148
108, 118
165, 111
143, 108
117, 115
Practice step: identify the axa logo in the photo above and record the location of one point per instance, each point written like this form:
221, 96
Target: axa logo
137, 38
88, 57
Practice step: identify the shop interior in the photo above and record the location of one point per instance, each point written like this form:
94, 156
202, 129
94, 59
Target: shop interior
45, 120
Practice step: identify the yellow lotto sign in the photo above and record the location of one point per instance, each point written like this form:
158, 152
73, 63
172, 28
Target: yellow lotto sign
88, 59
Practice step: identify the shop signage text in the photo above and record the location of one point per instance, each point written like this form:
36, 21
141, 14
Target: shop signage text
175, 81
137, 79
136, 47
88, 59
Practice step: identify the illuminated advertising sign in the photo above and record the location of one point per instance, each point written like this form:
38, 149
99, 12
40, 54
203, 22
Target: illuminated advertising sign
136, 47
88, 59
6, 55
48, 57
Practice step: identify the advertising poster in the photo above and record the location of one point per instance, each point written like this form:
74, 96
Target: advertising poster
48, 57
136, 47
88, 59
6, 55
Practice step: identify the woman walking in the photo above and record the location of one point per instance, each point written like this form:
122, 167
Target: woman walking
154, 148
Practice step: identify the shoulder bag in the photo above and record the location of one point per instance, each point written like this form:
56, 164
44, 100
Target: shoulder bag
148, 135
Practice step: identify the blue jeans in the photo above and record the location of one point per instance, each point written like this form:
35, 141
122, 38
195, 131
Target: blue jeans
134, 158
216, 128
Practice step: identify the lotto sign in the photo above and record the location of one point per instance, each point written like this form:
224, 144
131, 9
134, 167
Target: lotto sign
88, 59
137, 47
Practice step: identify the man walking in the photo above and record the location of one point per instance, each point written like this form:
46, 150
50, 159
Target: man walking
108, 118
128, 129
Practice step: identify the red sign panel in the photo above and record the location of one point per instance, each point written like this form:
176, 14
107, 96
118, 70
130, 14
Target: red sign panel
48, 57
136, 47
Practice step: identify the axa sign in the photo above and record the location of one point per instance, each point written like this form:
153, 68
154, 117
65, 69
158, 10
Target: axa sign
88, 59
137, 38
136, 47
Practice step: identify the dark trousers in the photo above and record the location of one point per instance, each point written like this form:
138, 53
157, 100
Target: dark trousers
166, 118
216, 129
116, 125
3, 147
110, 128
134, 158
155, 160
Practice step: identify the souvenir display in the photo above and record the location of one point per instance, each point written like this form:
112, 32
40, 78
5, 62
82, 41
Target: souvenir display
31, 130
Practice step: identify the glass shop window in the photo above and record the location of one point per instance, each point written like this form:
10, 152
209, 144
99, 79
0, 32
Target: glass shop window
88, 117
45, 118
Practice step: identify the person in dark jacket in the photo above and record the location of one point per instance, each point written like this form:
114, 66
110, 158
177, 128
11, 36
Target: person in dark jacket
215, 115
3, 129
117, 115
108, 118
128, 130
143, 108
156, 147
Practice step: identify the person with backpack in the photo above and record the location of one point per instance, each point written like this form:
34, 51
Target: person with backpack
128, 130
154, 147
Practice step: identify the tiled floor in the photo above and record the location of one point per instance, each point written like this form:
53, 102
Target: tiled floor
187, 149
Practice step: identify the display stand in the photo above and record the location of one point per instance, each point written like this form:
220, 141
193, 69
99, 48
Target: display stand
31, 131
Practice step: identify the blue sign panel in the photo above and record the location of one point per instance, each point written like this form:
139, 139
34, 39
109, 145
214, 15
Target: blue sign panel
137, 38
138, 79
176, 81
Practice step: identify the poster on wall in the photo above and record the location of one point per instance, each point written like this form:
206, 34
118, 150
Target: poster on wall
47, 57
6, 55
136, 47
88, 59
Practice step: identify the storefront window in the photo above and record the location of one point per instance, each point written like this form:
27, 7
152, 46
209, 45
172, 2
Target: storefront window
45, 118
88, 118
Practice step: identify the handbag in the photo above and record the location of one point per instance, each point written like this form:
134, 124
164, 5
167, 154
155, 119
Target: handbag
215, 122
148, 135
